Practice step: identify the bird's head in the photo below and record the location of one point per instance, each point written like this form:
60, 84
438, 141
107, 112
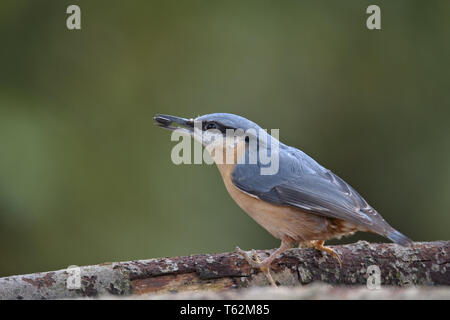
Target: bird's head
216, 131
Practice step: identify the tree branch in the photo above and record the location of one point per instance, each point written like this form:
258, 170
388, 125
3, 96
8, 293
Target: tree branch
425, 263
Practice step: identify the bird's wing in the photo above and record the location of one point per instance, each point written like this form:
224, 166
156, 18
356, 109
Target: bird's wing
301, 182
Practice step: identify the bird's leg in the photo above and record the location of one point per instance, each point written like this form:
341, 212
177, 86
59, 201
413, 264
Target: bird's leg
264, 266
318, 244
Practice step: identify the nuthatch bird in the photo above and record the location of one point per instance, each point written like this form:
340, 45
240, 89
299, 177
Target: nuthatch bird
302, 202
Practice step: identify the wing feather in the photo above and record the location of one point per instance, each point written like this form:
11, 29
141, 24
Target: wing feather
303, 183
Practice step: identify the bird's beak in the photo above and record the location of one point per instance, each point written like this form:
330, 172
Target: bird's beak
173, 123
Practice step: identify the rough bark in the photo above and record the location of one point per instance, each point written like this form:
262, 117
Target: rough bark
425, 263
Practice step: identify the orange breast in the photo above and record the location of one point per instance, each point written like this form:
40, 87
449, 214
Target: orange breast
283, 222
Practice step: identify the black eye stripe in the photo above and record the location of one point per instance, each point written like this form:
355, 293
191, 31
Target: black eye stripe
214, 125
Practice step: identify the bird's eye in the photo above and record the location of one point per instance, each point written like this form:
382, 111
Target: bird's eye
210, 125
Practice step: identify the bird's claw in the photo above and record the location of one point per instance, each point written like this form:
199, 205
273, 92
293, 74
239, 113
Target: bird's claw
319, 246
338, 258
256, 263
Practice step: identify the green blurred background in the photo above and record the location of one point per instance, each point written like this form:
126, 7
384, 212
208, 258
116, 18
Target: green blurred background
85, 176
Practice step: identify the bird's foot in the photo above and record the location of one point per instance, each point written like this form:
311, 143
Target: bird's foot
319, 246
256, 263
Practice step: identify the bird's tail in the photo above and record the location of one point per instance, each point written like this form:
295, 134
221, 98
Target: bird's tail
399, 238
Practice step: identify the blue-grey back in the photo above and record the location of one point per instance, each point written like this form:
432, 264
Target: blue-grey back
303, 183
